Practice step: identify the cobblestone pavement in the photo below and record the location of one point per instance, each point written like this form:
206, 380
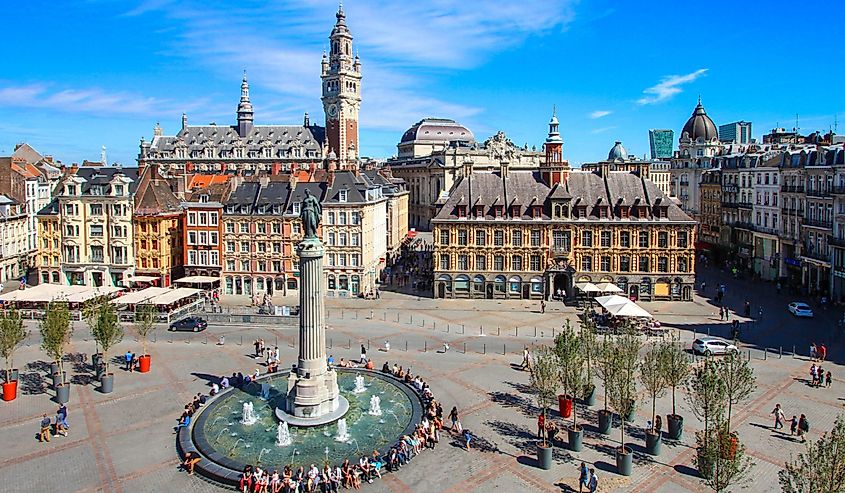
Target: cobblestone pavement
124, 441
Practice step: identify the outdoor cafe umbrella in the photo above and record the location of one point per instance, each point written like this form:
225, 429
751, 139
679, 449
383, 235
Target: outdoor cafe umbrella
588, 287
630, 309
612, 300
608, 287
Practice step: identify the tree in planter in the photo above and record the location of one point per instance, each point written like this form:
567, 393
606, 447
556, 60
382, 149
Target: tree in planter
738, 379
570, 362
589, 346
56, 330
623, 392
146, 317
605, 366
653, 378
676, 367
545, 380
722, 458
706, 396
107, 330
821, 469
90, 314
12, 335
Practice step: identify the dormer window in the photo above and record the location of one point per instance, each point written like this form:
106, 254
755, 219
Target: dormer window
537, 211
118, 189
203, 199
478, 211
343, 196
624, 211
462, 211
498, 210
602, 210
71, 189
230, 209
515, 211
296, 206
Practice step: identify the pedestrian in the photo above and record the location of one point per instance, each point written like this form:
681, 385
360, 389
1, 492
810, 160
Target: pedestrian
778, 413
813, 374
727, 314
722, 313
813, 351
822, 352
62, 415
658, 424
594, 481
44, 435
456, 422
386, 346
257, 345
541, 425
819, 376
363, 355
467, 437
793, 425
803, 427
525, 357
703, 286
127, 358
828, 379
542, 306
777, 287
583, 477
222, 340
747, 309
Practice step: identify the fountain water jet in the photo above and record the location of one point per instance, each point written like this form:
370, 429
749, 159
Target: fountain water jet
283, 438
249, 416
359, 385
342, 433
224, 430
375, 406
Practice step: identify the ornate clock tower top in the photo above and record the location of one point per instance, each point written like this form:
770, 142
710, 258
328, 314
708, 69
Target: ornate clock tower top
341, 76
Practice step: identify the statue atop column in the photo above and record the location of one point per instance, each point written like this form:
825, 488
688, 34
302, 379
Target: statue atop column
310, 215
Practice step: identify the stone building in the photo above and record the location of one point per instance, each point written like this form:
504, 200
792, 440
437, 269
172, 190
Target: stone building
766, 216
433, 154
14, 236
698, 145
158, 225
49, 259
793, 201
709, 236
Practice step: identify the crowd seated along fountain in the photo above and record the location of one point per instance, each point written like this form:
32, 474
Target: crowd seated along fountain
312, 414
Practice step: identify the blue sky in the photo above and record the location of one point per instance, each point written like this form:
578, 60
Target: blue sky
103, 72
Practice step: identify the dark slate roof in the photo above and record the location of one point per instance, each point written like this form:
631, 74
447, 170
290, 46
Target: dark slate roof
275, 193
526, 189
317, 189
103, 176
51, 209
437, 129
153, 194
280, 138
256, 197
356, 187
244, 196
700, 126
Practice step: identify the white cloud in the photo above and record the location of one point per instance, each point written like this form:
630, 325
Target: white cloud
599, 114
601, 130
668, 87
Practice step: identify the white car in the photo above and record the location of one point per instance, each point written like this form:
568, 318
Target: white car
713, 345
800, 309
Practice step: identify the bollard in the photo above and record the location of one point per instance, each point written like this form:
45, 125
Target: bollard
749, 355
448, 328
341, 314
349, 344
384, 316
497, 330
154, 337
553, 332
708, 331
485, 348
463, 329
330, 343
780, 355
793, 352
171, 338
422, 323
411, 320
242, 340
434, 325
535, 331
504, 349
277, 341
356, 314
397, 317
368, 344
425, 346
765, 353
516, 331
465, 348
206, 340
406, 346
481, 330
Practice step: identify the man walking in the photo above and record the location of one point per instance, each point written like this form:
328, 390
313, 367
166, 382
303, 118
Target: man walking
525, 357
44, 435
128, 360
779, 417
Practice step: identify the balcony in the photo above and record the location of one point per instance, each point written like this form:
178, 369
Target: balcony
837, 242
793, 211
742, 225
822, 256
817, 223
838, 190
792, 188
823, 193
560, 249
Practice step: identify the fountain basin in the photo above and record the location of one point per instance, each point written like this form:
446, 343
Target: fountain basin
367, 433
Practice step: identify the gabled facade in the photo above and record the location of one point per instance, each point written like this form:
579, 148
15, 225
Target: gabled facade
202, 227
158, 225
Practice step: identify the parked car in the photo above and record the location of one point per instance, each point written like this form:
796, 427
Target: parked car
800, 309
713, 345
189, 324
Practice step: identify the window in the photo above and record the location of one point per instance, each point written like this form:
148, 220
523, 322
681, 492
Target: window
444, 236
330, 218
462, 237
586, 238
192, 219
662, 264
682, 239
97, 254
516, 238
662, 239
444, 262
480, 237
463, 261
356, 239
277, 266
535, 263
202, 238
295, 207
516, 262
643, 264
356, 217
535, 237
624, 263
192, 257
605, 264
212, 218
245, 246
498, 238
343, 195
480, 262
262, 266
262, 228
70, 230
560, 240
245, 265
644, 239
277, 247
244, 227
341, 217
96, 209
332, 237
277, 228
586, 263
682, 264
499, 263
262, 247
625, 239
230, 227
342, 238
230, 265
297, 228
605, 239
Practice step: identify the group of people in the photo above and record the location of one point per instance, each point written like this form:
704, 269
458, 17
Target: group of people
326, 480
818, 377
192, 407
50, 428
797, 426
818, 353
130, 361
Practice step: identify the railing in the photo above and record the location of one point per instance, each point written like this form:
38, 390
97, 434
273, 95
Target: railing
792, 188
818, 223
838, 190
560, 249
793, 211
824, 257
818, 193
832, 240
743, 225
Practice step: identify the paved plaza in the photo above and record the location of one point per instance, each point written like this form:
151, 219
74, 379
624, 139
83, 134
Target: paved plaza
124, 441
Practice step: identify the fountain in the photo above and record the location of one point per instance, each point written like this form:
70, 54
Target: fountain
359, 385
375, 406
249, 416
394, 415
224, 430
239, 440
261, 454
283, 438
342, 433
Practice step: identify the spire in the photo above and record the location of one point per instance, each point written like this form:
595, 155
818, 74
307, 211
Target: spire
244, 90
245, 114
554, 134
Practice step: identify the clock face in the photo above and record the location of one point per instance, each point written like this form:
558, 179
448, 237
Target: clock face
333, 110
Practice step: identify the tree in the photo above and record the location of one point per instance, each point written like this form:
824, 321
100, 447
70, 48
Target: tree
605, 369
653, 377
821, 468
90, 311
706, 394
545, 379
146, 317
588, 350
721, 458
738, 379
107, 330
56, 330
570, 362
12, 335
676, 367
623, 392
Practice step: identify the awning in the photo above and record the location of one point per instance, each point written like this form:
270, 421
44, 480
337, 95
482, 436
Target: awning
621, 306
587, 287
612, 300
173, 295
608, 287
197, 280
143, 279
139, 297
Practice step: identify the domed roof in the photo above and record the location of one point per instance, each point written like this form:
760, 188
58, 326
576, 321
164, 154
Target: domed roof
438, 130
700, 126
617, 152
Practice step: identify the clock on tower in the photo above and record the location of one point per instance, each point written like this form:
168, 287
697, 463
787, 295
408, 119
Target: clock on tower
341, 76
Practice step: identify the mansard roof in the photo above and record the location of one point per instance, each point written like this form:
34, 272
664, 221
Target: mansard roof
153, 194
277, 137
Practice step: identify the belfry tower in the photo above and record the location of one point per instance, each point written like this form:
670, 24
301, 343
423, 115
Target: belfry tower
555, 170
341, 76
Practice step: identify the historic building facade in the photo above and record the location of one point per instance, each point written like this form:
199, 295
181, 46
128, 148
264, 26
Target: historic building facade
14, 238
711, 210
202, 226
49, 259
158, 225
698, 145
766, 216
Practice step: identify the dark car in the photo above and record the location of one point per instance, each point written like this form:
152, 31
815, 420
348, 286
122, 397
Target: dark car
189, 324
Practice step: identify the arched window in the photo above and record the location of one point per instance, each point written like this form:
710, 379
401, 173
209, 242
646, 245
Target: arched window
332, 282
462, 283
292, 284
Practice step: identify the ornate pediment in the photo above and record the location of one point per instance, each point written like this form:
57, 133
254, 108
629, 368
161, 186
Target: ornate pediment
500, 148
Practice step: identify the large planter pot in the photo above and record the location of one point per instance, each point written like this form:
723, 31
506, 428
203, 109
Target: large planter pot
96, 358
629, 418
58, 378
10, 390
8, 376
99, 370
590, 396
705, 465
54, 367
144, 363
605, 422
544, 456
575, 439
564, 403
63, 393
676, 427
107, 383
624, 461
652, 443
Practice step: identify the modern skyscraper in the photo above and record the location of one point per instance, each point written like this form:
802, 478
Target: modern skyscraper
735, 133
662, 142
